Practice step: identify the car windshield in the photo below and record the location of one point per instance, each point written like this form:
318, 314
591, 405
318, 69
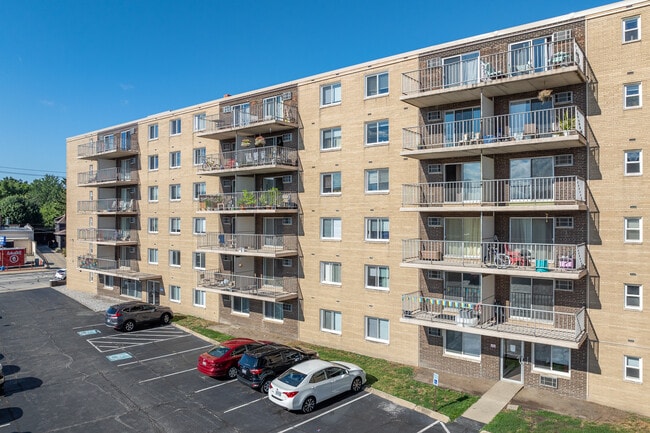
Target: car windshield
218, 351
292, 377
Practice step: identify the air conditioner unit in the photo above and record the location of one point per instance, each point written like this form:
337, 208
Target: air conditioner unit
227, 109
132, 130
286, 96
562, 35
132, 250
433, 63
287, 137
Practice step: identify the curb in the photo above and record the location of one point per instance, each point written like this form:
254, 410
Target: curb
407, 404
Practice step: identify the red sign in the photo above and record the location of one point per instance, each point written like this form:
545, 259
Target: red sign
12, 257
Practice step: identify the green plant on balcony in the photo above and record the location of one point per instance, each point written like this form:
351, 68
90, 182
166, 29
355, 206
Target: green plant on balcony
247, 199
270, 197
567, 123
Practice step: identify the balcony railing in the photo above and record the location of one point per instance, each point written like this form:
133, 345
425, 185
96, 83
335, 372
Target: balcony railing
250, 158
275, 288
94, 263
247, 116
495, 130
248, 243
109, 205
496, 192
107, 147
515, 63
501, 255
547, 322
107, 175
107, 235
249, 200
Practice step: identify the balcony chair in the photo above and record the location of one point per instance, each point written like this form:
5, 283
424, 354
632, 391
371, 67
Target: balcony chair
489, 73
517, 257
530, 130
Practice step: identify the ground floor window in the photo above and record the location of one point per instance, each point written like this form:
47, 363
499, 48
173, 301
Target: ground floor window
131, 288
175, 293
552, 358
330, 321
240, 305
461, 343
377, 329
633, 368
199, 298
274, 310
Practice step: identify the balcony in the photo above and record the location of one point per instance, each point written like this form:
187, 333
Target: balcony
563, 261
549, 129
276, 289
108, 148
557, 193
108, 236
118, 268
544, 66
268, 159
557, 326
247, 202
271, 246
247, 119
109, 206
113, 176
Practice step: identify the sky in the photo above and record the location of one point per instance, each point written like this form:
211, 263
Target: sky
69, 67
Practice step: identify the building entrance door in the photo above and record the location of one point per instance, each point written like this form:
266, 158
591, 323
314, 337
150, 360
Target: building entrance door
512, 355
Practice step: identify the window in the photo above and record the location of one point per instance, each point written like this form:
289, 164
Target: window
330, 138
564, 222
562, 98
632, 95
552, 358
198, 260
152, 254
633, 232
199, 298
330, 228
377, 329
287, 263
631, 29
287, 221
633, 368
287, 178
377, 229
175, 127
377, 277
198, 225
377, 132
175, 293
460, 343
273, 311
633, 297
330, 94
434, 275
199, 156
153, 162
199, 122
153, 131
330, 321
198, 189
377, 84
434, 332
330, 273
175, 225
564, 285
153, 193
240, 305
564, 160
434, 222
175, 192
330, 183
377, 180
434, 168
174, 258
152, 225
633, 163
175, 159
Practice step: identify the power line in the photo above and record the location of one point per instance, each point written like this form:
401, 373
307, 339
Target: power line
32, 169
42, 174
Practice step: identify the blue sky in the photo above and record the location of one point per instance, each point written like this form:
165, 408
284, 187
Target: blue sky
73, 66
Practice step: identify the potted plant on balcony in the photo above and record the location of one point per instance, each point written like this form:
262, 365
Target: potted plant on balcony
247, 199
567, 123
260, 140
245, 142
269, 198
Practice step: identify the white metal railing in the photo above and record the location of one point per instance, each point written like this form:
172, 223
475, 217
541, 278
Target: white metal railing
102, 147
247, 242
94, 263
113, 174
496, 192
270, 287
107, 205
249, 200
474, 69
256, 157
246, 115
496, 129
107, 235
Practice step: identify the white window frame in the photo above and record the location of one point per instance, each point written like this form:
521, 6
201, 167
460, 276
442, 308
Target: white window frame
244, 307
379, 125
152, 256
374, 90
336, 229
377, 269
628, 296
626, 365
199, 122
153, 162
175, 293
332, 176
380, 221
331, 136
152, 225
152, 194
626, 31
198, 156
462, 353
434, 221
335, 318
629, 94
198, 260
198, 189
378, 173
542, 369
334, 91
198, 298
287, 263
175, 192
175, 159
327, 270
564, 223
175, 127
376, 322
563, 285
198, 226
564, 160
434, 274
274, 308
175, 225
153, 132
628, 230
630, 163
434, 168
173, 255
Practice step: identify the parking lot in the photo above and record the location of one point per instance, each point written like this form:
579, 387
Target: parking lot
66, 371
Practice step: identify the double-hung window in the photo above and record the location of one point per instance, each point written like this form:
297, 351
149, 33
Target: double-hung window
330, 321
377, 84
552, 358
377, 132
153, 162
377, 277
174, 258
198, 189
153, 193
175, 127
240, 305
633, 162
330, 183
175, 159
462, 344
377, 229
631, 29
175, 192
175, 293
199, 226
633, 297
199, 156
152, 225
199, 298
633, 230
175, 225
153, 131
632, 95
633, 368
330, 228
198, 260
330, 273
199, 122
273, 310
330, 138
377, 329
152, 254
377, 180
330, 94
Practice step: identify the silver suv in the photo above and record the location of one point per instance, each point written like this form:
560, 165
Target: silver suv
128, 315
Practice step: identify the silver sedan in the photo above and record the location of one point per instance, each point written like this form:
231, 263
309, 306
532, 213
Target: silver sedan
311, 382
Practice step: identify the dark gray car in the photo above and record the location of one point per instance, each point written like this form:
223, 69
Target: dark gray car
128, 315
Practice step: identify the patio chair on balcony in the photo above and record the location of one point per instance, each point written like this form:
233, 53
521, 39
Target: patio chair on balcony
517, 257
489, 73
530, 130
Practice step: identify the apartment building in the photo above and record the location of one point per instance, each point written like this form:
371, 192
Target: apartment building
468, 207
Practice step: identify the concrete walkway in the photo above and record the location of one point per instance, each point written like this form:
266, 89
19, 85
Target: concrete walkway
486, 408
52, 259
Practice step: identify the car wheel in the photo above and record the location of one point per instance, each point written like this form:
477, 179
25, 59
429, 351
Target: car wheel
265, 386
166, 319
308, 405
128, 326
232, 372
357, 384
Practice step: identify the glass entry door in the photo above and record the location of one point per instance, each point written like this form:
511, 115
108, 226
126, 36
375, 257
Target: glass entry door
272, 232
512, 355
531, 179
463, 237
153, 292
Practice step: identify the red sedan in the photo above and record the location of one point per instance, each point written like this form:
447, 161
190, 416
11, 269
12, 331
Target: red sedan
222, 359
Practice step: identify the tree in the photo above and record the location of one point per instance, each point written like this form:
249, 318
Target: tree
10, 186
19, 210
50, 212
47, 189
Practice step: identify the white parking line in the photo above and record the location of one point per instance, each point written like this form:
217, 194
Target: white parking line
431, 425
164, 356
245, 404
108, 343
167, 375
215, 386
86, 326
323, 414
5, 425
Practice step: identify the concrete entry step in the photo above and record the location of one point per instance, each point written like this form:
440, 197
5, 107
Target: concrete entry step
493, 401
